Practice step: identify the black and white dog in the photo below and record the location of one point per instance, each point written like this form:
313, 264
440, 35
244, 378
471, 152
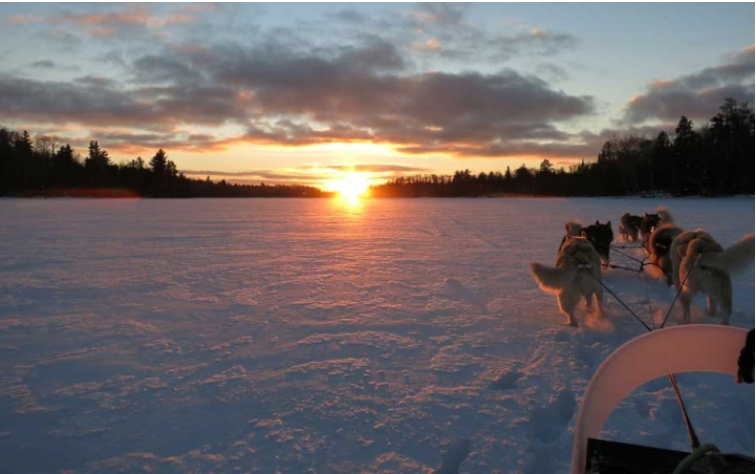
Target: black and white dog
599, 235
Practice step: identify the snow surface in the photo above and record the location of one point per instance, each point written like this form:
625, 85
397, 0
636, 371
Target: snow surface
304, 336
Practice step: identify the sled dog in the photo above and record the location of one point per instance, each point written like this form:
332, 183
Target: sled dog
700, 264
658, 246
652, 221
599, 235
577, 273
630, 227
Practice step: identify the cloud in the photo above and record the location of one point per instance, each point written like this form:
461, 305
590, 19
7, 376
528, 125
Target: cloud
94, 102
133, 15
443, 30
281, 90
537, 42
288, 133
313, 175
135, 143
200, 7
281, 96
430, 45
350, 16
377, 55
446, 15
385, 106
154, 69
512, 149
304, 175
44, 64
582, 145
128, 20
698, 95
60, 38
128, 143
48, 64
379, 168
23, 20
96, 81
257, 177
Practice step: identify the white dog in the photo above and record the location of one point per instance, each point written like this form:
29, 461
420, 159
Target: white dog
577, 273
699, 263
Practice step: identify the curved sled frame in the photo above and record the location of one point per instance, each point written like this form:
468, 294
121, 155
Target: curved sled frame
676, 350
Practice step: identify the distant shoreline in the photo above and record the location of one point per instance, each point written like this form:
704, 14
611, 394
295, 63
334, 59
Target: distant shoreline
122, 193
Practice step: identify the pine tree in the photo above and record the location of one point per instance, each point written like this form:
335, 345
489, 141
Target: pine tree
159, 163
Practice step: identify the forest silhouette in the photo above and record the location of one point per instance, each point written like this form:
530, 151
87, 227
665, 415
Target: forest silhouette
717, 159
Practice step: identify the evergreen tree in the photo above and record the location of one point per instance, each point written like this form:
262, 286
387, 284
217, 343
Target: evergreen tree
159, 163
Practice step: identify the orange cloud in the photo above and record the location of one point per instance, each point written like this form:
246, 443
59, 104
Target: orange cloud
22, 20
199, 7
662, 83
538, 33
422, 16
105, 24
430, 45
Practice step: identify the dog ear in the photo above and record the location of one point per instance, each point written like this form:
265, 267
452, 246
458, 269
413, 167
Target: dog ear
597, 222
583, 234
608, 223
645, 215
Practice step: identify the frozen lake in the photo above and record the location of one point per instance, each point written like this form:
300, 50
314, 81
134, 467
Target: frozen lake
307, 336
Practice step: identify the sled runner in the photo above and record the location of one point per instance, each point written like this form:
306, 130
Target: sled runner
654, 355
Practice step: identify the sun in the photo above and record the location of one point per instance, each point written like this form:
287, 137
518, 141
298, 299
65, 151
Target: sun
351, 186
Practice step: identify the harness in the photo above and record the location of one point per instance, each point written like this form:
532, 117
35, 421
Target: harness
642, 264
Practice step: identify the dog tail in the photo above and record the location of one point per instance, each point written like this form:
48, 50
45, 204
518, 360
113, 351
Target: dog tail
552, 279
738, 257
573, 228
665, 216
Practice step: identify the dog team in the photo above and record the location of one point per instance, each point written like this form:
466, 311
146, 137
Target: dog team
691, 261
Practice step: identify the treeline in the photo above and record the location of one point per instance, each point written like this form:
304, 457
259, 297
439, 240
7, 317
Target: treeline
44, 168
716, 159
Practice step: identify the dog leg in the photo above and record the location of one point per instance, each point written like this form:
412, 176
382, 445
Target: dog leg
718, 288
666, 267
599, 304
589, 302
685, 300
568, 301
677, 268
712, 305
724, 300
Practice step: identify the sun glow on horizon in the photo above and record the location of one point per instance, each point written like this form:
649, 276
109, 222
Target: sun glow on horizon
350, 186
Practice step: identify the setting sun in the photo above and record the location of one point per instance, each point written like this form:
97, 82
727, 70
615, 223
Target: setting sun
351, 186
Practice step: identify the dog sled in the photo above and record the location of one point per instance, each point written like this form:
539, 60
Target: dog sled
656, 354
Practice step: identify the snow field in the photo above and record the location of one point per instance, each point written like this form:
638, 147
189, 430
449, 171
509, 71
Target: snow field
303, 336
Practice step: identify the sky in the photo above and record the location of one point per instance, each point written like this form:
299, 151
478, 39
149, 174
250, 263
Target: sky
305, 92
